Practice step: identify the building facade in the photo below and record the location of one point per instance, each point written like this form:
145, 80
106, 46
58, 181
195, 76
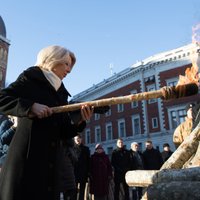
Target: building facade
4, 47
153, 119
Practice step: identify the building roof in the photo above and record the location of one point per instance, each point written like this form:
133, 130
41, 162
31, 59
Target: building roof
2, 28
181, 54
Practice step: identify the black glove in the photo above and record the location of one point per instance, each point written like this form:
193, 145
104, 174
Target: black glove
76, 115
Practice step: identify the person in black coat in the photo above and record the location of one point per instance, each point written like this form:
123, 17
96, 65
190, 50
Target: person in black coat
166, 153
31, 169
136, 163
120, 161
81, 166
152, 157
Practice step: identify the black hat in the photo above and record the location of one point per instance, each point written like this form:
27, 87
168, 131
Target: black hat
166, 145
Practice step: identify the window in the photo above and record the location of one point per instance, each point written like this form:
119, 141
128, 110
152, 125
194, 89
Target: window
109, 151
140, 146
151, 88
172, 81
108, 113
109, 131
155, 122
120, 107
121, 128
176, 116
136, 124
96, 116
134, 104
97, 134
87, 136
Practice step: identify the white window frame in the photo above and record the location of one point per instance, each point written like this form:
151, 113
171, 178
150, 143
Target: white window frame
120, 121
151, 87
134, 104
176, 110
154, 119
97, 131
87, 136
120, 107
96, 116
134, 117
172, 81
107, 133
108, 113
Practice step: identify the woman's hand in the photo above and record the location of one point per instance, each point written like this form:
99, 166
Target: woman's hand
86, 112
40, 111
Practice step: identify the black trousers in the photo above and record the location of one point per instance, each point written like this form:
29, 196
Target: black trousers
81, 190
121, 189
70, 195
137, 193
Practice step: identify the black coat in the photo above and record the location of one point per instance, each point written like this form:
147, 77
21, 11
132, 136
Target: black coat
81, 166
30, 168
136, 160
166, 155
152, 159
120, 161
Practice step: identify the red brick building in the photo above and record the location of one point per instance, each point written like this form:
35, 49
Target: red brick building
4, 47
152, 119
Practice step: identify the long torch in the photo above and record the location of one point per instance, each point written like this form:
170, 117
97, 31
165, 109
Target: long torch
166, 93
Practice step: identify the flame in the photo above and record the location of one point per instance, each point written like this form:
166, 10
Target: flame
192, 74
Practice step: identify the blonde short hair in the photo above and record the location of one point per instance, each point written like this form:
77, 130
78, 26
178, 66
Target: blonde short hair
50, 56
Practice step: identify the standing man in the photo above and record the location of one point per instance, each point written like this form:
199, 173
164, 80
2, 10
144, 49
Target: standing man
152, 157
120, 161
166, 153
81, 166
136, 163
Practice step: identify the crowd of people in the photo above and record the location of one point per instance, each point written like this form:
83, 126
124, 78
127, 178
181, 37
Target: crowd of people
42, 155
99, 177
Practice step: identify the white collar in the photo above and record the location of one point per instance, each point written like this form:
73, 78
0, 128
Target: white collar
53, 79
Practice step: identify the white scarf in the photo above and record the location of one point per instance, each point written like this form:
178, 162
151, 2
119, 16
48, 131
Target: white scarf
53, 79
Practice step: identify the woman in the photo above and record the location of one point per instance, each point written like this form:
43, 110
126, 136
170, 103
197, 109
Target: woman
101, 174
31, 170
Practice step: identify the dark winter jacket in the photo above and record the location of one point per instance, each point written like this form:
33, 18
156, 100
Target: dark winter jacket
152, 159
81, 166
136, 160
120, 161
30, 169
101, 173
166, 155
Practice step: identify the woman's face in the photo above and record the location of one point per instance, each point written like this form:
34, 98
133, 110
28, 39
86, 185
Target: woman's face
99, 150
62, 69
